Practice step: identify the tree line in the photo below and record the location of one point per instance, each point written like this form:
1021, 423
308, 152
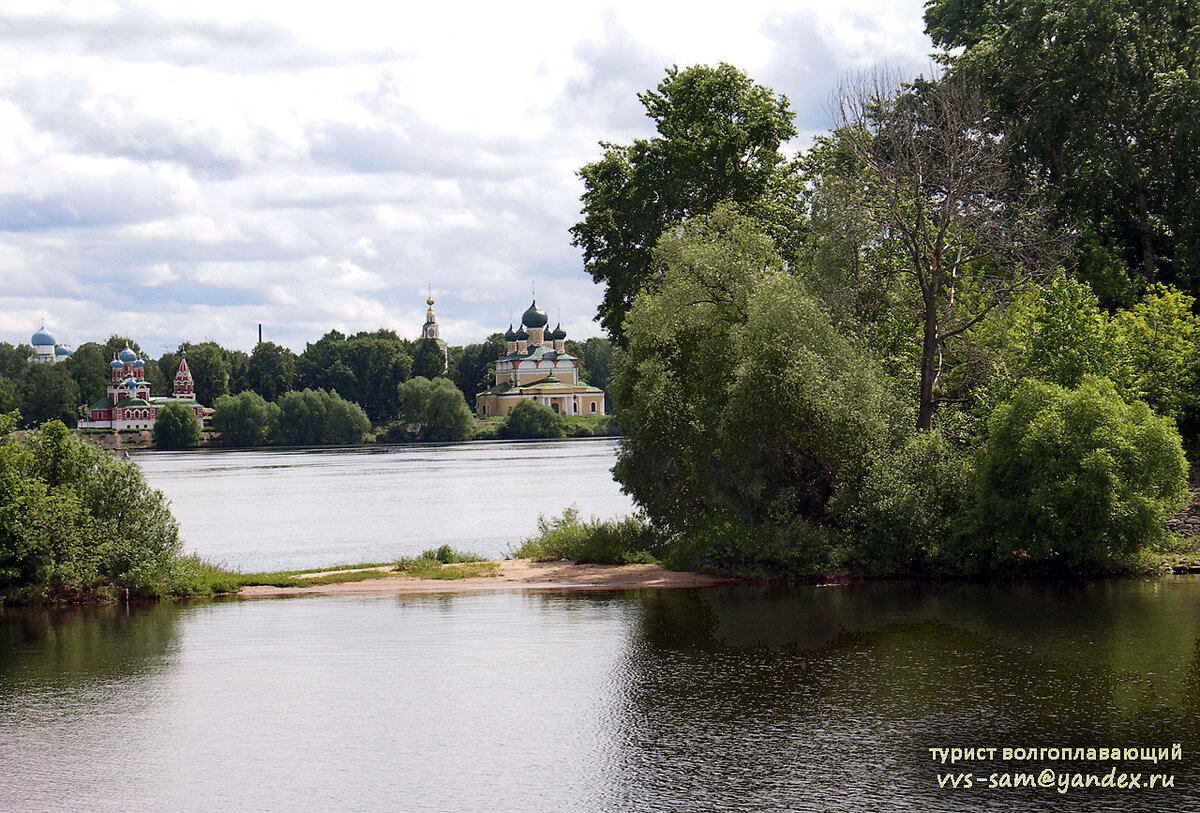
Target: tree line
366, 369
957, 334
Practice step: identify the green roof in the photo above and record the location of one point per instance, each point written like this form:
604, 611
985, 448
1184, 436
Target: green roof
133, 402
103, 403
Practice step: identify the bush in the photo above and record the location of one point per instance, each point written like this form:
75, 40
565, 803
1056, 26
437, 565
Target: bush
71, 513
728, 544
177, 427
529, 419
245, 419
1075, 478
612, 542
913, 509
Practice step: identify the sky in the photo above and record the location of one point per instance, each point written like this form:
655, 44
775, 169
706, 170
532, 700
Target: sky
184, 172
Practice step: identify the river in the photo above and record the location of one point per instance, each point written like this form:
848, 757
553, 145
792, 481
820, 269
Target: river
276, 509
748, 698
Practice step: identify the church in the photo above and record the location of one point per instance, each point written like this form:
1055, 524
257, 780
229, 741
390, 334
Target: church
128, 404
537, 367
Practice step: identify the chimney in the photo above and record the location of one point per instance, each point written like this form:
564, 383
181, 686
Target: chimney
260, 332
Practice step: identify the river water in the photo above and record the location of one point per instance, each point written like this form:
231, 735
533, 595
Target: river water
731, 699
272, 510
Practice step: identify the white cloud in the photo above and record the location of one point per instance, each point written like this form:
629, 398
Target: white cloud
187, 173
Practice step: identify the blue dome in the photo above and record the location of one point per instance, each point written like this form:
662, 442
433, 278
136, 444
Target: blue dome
116, 364
43, 338
63, 350
534, 316
510, 335
559, 333
139, 363
521, 335
128, 355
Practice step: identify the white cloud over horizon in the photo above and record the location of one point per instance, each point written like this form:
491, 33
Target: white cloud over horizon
186, 174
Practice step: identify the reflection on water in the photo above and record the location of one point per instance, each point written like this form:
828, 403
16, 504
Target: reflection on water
272, 510
723, 699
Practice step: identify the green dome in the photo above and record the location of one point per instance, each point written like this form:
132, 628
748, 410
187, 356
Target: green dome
534, 316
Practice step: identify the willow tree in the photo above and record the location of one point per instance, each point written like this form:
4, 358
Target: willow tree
936, 184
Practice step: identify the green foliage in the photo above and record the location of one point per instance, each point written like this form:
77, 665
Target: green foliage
365, 368
245, 419
529, 419
912, 513
48, 393
429, 360
726, 543
71, 513
177, 427
436, 407
1058, 334
271, 370
611, 542
471, 368
1101, 102
210, 371
316, 417
718, 139
1075, 478
736, 392
1158, 339
89, 368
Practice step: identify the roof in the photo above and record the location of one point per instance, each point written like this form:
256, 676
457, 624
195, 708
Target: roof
133, 402
103, 403
43, 338
537, 354
534, 316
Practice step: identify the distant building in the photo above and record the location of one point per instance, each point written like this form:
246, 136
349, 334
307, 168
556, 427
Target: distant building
128, 404
431, 331
538, 368
46, 349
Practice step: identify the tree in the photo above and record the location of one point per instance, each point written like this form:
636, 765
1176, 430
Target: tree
49, 393
473, 372
718, 139
177, 427
1072, 478
210, 371
316, 417
245, 419
428, 359
376, 366
529, 419
436, 407
72, 513
737, 394
89, 368
271, 371
1103, 101
939, 186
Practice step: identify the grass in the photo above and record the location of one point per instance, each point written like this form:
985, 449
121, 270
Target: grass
626, 541
1178, 552
444, 563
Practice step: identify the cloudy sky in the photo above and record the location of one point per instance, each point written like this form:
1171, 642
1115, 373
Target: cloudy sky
187, 171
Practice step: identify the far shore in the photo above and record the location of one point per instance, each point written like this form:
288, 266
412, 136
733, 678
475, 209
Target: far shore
511, 574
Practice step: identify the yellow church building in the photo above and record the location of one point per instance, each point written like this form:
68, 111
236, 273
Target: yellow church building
537, 367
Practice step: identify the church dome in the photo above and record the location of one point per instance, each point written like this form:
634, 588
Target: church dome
559, 334
128, 355
63, 351
521, 334
510, 335
139, 363
43, 338
116, 364
534, 316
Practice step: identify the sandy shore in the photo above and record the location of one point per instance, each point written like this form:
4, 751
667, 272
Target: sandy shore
512, 574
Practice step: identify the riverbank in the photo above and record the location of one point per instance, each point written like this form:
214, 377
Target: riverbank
511, 574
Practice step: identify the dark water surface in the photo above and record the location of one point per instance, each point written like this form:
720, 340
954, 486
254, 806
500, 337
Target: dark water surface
279, 509
812, 698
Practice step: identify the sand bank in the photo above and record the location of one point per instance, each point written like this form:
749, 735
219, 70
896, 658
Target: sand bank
512, 574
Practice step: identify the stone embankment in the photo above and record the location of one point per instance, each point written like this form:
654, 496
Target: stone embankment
1187, 522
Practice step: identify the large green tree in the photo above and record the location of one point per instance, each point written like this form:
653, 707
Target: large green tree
1102, 100
272, 370
472, 370
177, 427
436, 407
210, 371
719, 139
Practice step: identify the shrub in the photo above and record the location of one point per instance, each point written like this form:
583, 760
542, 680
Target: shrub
436, 407
177, 427
1075, 478
730, 545
71, 513
529, 419
315, 417
614, 541
912, 510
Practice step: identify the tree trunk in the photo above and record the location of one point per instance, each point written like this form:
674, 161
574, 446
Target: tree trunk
930, 363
